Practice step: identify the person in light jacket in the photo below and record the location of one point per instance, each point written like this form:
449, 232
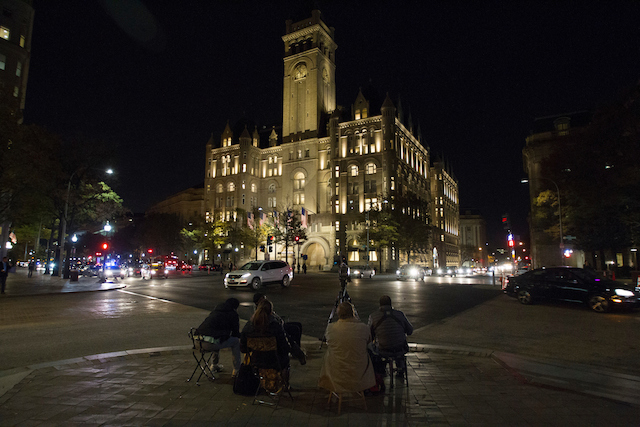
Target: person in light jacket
346, 366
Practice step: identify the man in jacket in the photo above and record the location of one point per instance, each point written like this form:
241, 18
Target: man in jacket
221, 329
5, 266
389, 329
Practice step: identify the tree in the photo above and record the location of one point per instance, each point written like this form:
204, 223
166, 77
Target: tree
287, 227
383, 231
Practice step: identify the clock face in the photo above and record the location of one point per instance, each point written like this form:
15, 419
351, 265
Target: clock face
325, 75
300, 72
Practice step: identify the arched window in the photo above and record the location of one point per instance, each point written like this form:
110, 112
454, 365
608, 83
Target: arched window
272, 188
219, 188
231, 186
353, 170
253, 187
298, 181
370, 168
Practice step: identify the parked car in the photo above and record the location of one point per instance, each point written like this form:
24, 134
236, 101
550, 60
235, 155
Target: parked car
90, 270
572, 284
411, 271
361, 271
447, 271
259, 273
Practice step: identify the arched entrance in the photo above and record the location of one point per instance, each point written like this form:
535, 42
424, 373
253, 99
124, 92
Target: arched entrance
315, 255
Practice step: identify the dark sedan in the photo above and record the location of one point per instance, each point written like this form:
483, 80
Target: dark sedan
572, 284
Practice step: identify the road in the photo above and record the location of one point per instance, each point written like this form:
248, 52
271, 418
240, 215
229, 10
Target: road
311, 297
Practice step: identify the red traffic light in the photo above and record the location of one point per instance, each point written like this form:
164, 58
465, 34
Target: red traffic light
297, 238
105, 246
150, 251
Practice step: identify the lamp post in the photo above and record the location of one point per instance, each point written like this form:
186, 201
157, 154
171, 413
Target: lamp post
525, 181
367, 247
63, 238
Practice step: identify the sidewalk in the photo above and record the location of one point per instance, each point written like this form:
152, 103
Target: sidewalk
447, 386
19, 284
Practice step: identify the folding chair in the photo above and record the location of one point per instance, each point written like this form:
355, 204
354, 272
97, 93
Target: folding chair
204, 353
263, 355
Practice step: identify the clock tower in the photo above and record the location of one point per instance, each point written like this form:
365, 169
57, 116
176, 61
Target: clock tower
309, 89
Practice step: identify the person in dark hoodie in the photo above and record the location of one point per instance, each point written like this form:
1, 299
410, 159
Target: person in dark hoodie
221, 329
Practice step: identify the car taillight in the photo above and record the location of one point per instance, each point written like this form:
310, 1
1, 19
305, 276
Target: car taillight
505, 282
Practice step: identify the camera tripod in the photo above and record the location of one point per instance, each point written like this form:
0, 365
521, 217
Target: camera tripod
343, 296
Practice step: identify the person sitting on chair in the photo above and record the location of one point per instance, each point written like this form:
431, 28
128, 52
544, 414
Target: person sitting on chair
389, 328
292, 330
346, 366
221, 329
264, 324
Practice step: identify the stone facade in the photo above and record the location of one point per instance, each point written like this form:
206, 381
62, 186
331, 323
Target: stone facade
335, 164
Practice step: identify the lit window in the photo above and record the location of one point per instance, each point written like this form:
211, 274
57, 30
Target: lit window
3, 61
22, 40
244, 167
371, 168
231, 186
298, 181
19, 69
337, 171
16, 90
253, 187
219, 188
353, 170
4, 33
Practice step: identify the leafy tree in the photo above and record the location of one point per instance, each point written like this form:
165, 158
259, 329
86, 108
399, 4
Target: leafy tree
383, 231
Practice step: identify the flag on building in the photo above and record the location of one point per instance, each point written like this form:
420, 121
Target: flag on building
303, 217
262, 218
250, 220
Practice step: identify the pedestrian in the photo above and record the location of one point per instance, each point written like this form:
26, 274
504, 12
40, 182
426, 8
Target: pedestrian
5, 266
304, 268
32, 266
298, 268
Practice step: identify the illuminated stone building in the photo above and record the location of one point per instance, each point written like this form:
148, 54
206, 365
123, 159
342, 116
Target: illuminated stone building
446, 214
335, 163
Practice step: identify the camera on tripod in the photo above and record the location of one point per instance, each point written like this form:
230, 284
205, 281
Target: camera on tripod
344, 275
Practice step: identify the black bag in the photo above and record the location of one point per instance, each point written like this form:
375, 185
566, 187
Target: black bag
246, 382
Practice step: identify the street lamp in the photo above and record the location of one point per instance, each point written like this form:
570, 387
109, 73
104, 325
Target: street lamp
62, 239
526, 181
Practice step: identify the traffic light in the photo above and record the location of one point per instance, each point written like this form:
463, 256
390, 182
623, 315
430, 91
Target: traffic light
297, 239
261, 248
105, 246
269, 240
506, 222
150, 251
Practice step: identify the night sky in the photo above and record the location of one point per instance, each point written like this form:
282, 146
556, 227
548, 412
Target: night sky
156, 78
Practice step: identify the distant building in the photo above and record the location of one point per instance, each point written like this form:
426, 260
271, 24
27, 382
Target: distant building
548, 132
188, 205
16, 27
473, 239
336, 164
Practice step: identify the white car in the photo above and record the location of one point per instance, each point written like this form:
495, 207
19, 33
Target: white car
361, 271
258, 273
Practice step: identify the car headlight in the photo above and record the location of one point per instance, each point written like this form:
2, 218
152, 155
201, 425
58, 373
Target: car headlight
439, 271
398, 272
413, 272
624, 293
245, 275
356, 272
